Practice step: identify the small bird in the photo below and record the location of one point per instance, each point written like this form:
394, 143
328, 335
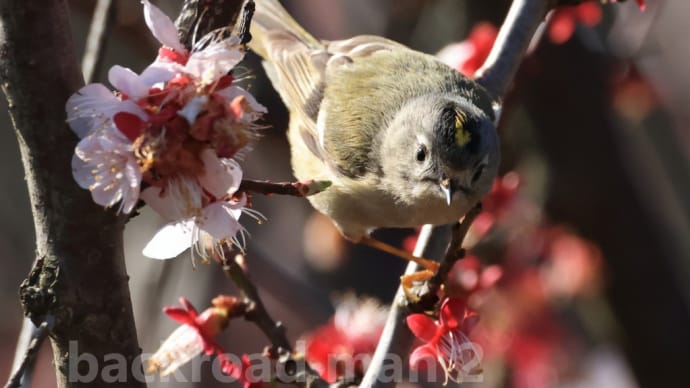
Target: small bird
404, 139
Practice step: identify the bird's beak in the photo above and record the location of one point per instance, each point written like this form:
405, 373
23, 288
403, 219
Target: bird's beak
447, 189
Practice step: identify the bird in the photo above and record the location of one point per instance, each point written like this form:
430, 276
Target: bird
404, 139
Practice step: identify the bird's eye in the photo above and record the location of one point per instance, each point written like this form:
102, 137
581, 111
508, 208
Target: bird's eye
421, 153
478, 173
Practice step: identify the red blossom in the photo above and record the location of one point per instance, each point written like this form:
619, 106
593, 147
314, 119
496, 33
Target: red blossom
445, 340
468, 276
197, 333
496, 204
481, 40
239, 371
469, 55
172, 55
564, 20
209, 324
336, 349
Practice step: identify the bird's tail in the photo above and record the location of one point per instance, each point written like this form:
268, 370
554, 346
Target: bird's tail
271, 16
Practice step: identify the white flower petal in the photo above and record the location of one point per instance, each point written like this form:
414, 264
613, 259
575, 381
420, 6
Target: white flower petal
221, 176
193, 107
158, 72
81, 172
232, 92
180, 347
104, 163
90, 108
162, 27
165, 205
182, 199
214, 61
128, 82
171, 240
220, 221
105, 195
456, 54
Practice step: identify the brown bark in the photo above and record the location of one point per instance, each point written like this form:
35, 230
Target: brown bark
79, 277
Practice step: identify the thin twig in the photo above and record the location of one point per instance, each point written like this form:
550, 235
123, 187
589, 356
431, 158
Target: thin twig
101, 23
296, 189
454, 252
273, 330
256, 312
396, 339
38, 336
511, 44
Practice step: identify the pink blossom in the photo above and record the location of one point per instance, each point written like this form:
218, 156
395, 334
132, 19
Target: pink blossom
104, 163
175, 127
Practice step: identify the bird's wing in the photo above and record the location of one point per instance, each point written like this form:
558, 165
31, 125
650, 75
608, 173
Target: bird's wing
298, 69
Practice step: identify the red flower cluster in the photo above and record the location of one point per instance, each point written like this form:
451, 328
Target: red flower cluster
564, 19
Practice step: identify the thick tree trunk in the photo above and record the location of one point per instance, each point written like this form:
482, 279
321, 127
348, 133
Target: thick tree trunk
79, 277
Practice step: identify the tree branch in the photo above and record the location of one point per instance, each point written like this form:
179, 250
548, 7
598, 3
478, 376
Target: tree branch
303, 376
38, 335
101, 23
199, 17
79, 276
497, 73
296, 189
396, 339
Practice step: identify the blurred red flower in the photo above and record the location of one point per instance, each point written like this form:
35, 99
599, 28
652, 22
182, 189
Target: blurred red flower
564, 19
469, 55
340, 348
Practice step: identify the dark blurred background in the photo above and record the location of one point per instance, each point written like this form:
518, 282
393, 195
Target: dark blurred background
596, 127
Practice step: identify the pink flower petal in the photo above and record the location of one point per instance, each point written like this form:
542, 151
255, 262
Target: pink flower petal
162, 27
221, 176
170, 241
422, 326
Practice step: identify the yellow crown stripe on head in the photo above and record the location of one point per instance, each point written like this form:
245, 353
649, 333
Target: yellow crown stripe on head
462, 136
